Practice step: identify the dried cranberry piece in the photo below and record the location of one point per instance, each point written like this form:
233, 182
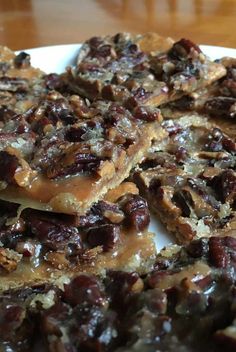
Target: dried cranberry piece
136, 212
83, 289
9, 163
54, 235
107, 236
224, 185
146, 114
22, 60
218, 254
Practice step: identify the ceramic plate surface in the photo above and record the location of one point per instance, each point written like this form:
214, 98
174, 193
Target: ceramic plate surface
56, 58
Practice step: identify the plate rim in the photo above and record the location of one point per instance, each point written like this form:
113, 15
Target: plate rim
59, 56
207, 46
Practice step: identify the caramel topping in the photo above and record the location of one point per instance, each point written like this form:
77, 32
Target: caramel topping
126, 187
193, 273
134, 253
44, 190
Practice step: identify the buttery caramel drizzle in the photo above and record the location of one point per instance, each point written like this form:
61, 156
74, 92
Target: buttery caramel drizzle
130, 254
43, 189
193, 272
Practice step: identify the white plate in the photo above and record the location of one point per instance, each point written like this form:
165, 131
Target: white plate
56, 58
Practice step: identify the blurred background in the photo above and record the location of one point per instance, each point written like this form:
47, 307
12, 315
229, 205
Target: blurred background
33, 23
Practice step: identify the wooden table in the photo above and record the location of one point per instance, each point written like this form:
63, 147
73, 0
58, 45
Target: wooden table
32, 23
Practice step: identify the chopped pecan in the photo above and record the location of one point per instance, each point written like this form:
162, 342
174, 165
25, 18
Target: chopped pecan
121, 285
224, 185
217, 141
197, 248
54, 81
146, 114
218, 252
109, 211
12, 318
55, 235
183, 48
83, 288
9, 163
4, 67
226, 338
221, 106
14, 84
22, 60
107, 236
57, 259
9, 259
6, 114
136, 212
75, 134
184, 201
73, 162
